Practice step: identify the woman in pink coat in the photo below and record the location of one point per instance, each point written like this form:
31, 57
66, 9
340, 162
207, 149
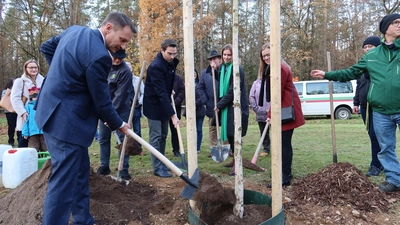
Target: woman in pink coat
288, 95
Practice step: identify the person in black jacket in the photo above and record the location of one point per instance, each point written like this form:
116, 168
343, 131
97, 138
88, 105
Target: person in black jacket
360, 106
157, 105
179, 96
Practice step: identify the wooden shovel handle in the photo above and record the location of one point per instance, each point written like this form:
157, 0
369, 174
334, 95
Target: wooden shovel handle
261, 141
215, 104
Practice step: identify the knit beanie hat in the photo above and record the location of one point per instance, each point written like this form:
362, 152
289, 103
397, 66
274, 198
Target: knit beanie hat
373, 40
386, 21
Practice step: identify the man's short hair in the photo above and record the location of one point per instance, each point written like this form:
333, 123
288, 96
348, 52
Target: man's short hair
119, 20
168, 43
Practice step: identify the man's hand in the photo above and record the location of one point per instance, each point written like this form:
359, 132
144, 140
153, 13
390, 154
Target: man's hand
175, 120
124, 129
355, 109
317, 74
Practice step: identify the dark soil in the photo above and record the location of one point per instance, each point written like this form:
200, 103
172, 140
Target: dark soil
338, 194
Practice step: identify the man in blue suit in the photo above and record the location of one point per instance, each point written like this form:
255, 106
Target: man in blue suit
73, 97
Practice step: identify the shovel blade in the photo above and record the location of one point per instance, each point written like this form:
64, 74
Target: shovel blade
192, 184
220, 153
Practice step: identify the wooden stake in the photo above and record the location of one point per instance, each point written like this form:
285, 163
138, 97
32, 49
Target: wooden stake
328, 57
276, 127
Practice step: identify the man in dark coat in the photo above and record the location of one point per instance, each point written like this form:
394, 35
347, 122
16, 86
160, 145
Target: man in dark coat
73, 97
206, 93
157, 105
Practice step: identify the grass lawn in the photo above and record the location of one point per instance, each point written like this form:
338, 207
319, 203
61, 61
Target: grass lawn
312, 146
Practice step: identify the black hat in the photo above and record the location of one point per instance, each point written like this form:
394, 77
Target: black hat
213, 54
373, 40
386, 21
120, 54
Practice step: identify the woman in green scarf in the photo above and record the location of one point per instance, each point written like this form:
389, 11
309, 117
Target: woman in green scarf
225, 103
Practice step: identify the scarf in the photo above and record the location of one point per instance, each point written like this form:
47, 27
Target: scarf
224, 83
265, 80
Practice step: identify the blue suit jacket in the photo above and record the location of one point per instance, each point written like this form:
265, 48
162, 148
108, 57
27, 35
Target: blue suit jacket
75, 94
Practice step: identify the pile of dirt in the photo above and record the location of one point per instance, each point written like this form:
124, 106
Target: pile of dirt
337, 188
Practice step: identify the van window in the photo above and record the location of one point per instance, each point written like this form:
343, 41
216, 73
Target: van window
299, 88
323, 88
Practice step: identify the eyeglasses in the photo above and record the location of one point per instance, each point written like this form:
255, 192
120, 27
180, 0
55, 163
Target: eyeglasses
267, 55
395, 23
32, 68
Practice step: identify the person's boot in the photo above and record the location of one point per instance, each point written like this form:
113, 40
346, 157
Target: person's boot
230, 164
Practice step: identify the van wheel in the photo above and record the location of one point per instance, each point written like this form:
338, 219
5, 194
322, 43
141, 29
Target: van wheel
342, 113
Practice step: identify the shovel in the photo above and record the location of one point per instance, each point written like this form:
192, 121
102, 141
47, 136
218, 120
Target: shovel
121, 158
255, 157
220, 152
193, 183
118, 178
183, 165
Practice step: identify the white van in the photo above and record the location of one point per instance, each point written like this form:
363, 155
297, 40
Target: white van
314, 97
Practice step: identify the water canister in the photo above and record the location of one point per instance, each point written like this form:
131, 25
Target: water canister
18, 164
3, 148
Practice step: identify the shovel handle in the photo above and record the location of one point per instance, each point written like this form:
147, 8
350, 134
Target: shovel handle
156, 153
255, 157
178, 129
215, 105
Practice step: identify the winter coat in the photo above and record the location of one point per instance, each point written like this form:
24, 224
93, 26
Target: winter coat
200, 107
158, 89
287, 87
22, 84
30, 128
206, 92
382, 64
227, 101
363, 83
261, 111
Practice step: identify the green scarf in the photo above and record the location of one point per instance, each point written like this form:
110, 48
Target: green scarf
224, 83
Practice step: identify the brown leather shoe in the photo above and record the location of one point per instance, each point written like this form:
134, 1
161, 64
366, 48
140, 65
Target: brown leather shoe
232, 172
231, 164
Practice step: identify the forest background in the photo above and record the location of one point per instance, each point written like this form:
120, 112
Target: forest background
309, 29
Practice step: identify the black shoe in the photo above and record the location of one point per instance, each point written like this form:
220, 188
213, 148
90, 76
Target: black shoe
162, 173
125, 175
103, 170
177, 154
373, 171
388, 187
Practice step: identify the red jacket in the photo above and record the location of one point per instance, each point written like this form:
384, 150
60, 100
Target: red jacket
286, 99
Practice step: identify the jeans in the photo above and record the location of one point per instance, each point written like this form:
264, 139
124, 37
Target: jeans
68, 185
199, 129
158, 131
385, 130
136, 121
375, 149
105, 143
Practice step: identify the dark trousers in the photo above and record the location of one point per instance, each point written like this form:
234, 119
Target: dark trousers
68, 185
22, 142
11, 123
375, 148
266, 141
174, 133
287, 152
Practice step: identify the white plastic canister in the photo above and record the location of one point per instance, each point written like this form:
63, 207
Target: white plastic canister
3, 148
18, 164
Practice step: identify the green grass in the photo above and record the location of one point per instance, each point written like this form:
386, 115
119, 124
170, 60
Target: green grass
312, 148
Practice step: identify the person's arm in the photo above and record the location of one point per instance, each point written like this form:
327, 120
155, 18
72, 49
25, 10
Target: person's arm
49, 47
252, 97
352, 73
201, 87
356, 99
180, 95
15, 97
159, 87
